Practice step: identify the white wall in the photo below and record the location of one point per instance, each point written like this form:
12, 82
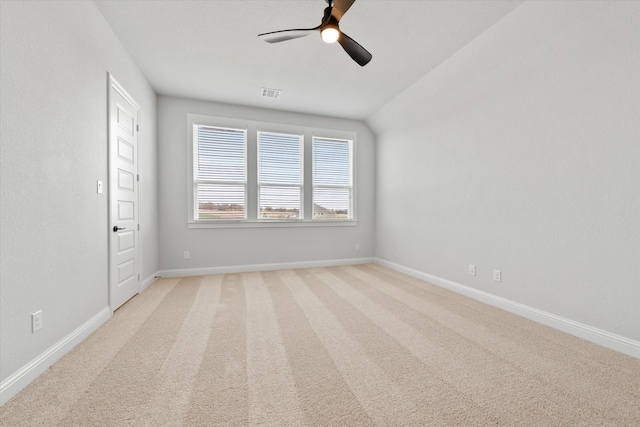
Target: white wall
53, 250
522, 153
220, 248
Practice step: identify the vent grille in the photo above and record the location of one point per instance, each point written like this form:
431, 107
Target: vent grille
271, 93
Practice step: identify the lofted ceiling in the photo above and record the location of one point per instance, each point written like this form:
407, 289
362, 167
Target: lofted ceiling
209, 50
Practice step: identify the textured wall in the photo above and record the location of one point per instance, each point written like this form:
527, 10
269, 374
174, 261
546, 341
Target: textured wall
521, 153
53, 250
236, 246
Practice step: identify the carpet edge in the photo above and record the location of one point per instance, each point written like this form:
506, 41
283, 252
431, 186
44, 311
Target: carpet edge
595, 335
262, 267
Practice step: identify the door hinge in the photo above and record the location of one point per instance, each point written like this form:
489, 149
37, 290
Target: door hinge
137, 128
138, 227
138, 276
138, 177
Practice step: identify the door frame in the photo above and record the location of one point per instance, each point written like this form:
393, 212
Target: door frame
113, 84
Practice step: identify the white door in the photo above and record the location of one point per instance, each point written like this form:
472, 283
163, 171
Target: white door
123, 196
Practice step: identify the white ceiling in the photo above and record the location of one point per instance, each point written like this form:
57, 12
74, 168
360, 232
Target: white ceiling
210, 50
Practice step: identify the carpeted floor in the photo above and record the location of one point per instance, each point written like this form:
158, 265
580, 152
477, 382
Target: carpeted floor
339, 346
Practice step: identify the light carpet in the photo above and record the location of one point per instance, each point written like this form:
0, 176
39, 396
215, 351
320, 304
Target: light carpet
355, 345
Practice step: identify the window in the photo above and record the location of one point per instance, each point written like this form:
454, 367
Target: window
248, 174
220, 172
332, 182
280, 190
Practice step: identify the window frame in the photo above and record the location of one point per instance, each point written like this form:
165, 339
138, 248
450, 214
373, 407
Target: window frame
197, 182
349, 186
251, 195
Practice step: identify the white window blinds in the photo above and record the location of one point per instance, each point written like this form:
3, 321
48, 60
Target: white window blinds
332, 179
220, 172
280, 175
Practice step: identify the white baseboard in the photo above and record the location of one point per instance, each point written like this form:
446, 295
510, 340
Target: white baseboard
148, 281
262, 267
598, 336
24, 376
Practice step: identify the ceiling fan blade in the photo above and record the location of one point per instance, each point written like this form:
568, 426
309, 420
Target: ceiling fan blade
355, 51
284, 35
340, 7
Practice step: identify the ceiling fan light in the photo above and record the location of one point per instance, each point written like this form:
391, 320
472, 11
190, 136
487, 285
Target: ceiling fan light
330, 34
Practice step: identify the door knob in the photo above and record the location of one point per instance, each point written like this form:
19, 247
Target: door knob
116, 228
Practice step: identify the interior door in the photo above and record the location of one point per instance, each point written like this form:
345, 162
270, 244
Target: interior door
123, 196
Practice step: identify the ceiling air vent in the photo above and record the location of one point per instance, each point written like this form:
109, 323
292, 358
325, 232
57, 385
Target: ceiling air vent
271, 93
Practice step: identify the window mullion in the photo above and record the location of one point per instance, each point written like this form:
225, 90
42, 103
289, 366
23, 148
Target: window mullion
274, 184
252, 174
308, 176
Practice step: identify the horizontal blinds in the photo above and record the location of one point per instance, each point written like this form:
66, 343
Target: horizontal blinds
220, 172
220, 185
331, 162
279, 158
332, 192
279, 175
221, 154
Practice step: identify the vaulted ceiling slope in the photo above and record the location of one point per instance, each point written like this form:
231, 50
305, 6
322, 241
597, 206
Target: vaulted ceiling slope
209, 50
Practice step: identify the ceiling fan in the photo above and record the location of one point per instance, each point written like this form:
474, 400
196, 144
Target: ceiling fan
329, 30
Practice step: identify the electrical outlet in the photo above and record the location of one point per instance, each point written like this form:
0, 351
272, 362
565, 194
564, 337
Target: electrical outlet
187, 255
36, 321
497, 275
472, 269
357, 246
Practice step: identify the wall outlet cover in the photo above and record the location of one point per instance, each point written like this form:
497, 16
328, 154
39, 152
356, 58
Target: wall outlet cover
497, 275
472, 270
36, 321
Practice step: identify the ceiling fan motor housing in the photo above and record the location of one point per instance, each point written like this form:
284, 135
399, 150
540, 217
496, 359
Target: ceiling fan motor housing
329, 30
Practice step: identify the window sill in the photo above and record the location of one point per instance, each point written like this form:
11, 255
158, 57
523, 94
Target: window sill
271, 224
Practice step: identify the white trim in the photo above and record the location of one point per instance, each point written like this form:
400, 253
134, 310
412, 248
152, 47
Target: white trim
185, 272
274, 224
113, 83
598, 336
29, 372
148, 281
